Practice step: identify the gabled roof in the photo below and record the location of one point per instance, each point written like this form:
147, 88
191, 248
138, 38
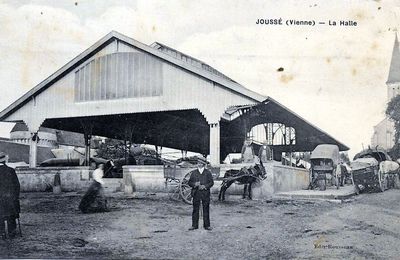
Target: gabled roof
342, 146
394, 71
63, 137
188, 59
20, 152
19, 126
237, 88
384, 121
282, 114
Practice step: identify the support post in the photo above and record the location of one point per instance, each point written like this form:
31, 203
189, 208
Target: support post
127, 137
125, 153
88, 138
33, 150
215, 144
87, 127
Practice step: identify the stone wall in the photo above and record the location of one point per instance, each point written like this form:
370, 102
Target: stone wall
150, 178
42, 178
290, 178
279, 178
141, 178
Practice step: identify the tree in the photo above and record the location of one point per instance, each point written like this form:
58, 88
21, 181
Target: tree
393, 112
116, 149
112, 149
395, 151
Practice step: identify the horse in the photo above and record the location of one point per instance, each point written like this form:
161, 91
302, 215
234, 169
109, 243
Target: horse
246, 176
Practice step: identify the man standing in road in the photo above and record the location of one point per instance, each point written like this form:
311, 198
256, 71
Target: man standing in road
201, 181
9, 198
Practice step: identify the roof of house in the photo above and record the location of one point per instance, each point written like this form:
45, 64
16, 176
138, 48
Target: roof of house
63, 137
22, 127
20, 152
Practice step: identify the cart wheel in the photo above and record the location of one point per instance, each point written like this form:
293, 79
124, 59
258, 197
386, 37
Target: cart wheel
382, 182
356, 188
397, 181
186, 193
185, 189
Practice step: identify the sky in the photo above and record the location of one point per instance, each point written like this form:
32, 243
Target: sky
333, 76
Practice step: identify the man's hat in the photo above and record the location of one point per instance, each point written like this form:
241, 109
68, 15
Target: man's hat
201, 159
3, 157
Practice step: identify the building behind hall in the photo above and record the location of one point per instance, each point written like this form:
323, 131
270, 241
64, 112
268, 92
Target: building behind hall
384, 131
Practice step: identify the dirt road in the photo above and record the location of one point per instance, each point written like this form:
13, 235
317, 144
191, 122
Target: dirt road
156, 228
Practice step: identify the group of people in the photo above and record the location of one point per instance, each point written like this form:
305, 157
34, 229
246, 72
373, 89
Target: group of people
200, 181
92, 201
248, 155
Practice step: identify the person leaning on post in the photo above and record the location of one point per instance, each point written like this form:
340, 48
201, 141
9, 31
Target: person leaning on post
201, 181
9, 198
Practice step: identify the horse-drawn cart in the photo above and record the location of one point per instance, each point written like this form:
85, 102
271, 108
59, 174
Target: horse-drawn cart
366, 175
373, 169
244, 173
324, 161
178, 178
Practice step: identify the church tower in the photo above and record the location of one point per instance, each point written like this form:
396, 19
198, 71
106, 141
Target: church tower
384, 131
393, 82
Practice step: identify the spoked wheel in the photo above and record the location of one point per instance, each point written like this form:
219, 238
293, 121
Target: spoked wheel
185, 189
382, 182
397, 181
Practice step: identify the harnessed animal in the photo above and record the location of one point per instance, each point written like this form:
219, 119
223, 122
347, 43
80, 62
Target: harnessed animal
246, 176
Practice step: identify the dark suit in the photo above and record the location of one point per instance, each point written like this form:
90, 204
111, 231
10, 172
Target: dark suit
9, 198
202, 196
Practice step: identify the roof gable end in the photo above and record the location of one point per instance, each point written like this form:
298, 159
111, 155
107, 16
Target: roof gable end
88, 53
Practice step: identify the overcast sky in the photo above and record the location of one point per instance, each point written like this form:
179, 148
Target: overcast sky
333, 76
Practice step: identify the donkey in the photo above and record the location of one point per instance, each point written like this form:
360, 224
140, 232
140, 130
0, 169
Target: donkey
243, 176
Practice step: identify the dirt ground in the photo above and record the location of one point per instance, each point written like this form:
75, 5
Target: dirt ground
154, 227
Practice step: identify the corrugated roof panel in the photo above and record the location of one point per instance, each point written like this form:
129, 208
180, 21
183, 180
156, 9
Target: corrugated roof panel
188, 59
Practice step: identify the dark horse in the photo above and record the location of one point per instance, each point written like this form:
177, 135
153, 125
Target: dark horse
246, 176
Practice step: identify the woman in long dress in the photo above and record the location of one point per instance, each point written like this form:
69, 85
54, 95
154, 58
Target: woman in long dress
94, 199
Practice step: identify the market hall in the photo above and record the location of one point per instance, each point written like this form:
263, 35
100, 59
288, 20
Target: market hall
123, 89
